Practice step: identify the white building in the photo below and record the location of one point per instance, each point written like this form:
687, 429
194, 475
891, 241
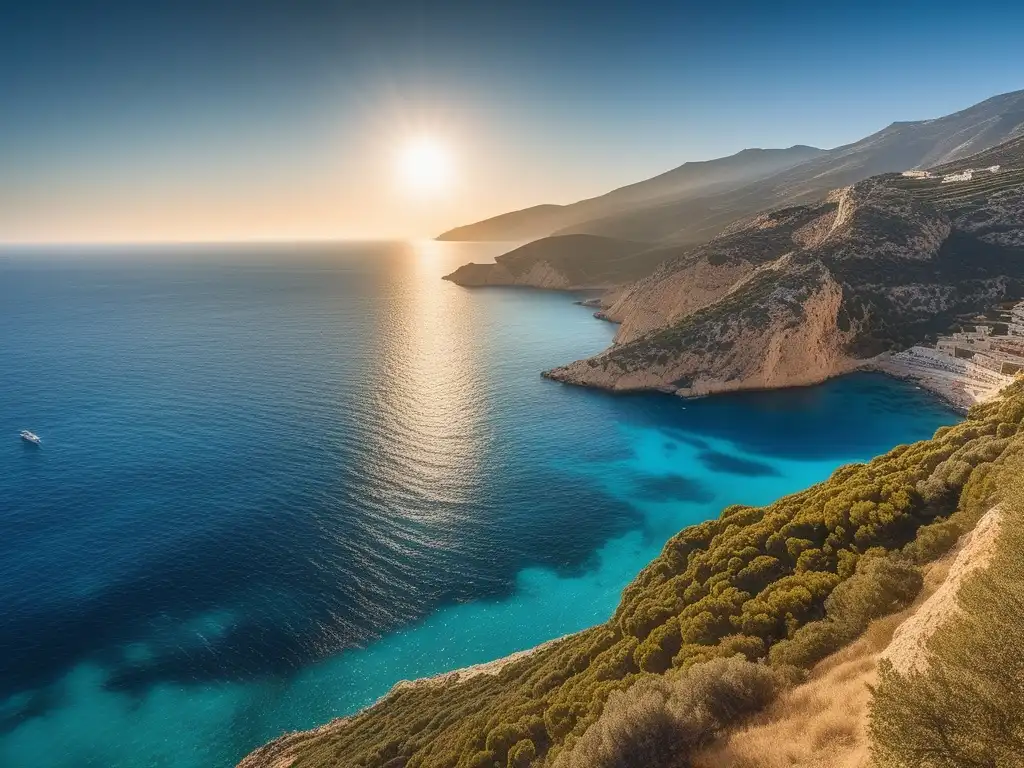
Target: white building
962, 176
918, 174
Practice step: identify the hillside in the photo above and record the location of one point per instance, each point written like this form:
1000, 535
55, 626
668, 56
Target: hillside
1007, 153
787, 584
795, 295
527, 224
826, 719
566, 262
694, 213
694, 178
900, 146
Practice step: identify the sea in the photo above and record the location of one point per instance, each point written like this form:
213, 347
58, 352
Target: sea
277, 479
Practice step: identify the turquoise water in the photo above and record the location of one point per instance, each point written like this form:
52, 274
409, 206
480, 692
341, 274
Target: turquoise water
277, 480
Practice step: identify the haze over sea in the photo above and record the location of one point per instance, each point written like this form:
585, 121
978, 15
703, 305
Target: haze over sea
275, 480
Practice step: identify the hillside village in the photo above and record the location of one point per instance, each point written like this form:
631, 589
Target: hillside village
973, 363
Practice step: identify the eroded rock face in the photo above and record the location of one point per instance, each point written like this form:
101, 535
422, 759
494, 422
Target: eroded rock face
671, 294
788, 337
705, 275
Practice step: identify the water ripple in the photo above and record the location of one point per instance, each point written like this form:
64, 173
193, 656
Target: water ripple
275, 482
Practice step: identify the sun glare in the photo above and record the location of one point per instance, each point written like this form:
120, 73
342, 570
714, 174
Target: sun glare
424, 166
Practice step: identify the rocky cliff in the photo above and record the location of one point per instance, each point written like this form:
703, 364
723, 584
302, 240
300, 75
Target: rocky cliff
780, 327
707, 273
794, 296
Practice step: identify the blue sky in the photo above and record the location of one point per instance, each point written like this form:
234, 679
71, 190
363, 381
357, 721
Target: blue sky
188, 120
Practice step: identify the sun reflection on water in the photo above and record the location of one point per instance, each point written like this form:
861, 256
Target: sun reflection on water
432, 436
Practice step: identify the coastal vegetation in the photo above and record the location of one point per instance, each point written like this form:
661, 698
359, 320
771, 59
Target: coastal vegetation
730, 612
964, 705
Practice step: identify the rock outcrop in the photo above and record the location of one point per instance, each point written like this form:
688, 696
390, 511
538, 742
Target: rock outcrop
790, 336
908, 650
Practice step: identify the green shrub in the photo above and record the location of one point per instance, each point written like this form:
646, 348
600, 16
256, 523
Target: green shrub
933, 541
660, 721
789, 580
522, 754
879, 586
810, 644
966, 707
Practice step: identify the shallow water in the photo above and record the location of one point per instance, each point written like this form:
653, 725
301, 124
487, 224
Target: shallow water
276, 480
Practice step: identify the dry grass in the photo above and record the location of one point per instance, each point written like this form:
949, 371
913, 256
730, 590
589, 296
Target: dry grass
821, 723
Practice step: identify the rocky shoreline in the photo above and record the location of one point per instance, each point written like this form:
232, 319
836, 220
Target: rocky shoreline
951, 398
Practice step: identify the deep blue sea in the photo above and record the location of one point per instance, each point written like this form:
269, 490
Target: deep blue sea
275, 480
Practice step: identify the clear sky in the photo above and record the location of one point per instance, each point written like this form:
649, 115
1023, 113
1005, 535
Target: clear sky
184, 120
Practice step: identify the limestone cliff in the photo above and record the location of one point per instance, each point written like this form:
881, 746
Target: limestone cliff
789, 336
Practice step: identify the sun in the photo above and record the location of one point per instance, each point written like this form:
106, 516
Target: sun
424, 166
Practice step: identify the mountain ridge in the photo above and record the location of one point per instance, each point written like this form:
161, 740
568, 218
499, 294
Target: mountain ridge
898, 147
716, 174
694, 218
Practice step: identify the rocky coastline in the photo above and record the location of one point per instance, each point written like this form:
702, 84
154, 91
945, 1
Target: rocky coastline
951, 399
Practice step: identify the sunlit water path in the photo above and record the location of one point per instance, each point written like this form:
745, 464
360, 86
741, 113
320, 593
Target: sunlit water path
274, 481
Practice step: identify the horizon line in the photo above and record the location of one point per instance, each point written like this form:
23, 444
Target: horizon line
213, 241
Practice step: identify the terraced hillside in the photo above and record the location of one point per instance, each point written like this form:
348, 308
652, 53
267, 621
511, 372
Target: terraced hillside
796, 295
957, 195
1007, 153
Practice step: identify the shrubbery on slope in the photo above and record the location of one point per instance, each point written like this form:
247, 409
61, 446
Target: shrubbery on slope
749, 583
967, 707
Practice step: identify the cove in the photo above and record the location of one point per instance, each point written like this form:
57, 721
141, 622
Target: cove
277, 480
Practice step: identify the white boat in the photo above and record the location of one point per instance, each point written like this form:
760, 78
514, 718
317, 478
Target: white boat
31, 437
